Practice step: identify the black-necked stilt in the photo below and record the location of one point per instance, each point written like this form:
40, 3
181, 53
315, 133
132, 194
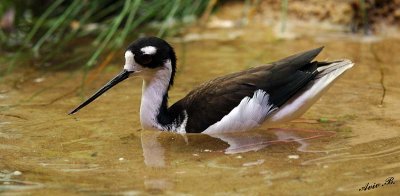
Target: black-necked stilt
270, 94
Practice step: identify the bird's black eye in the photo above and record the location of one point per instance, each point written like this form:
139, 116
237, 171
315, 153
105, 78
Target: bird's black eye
143, 59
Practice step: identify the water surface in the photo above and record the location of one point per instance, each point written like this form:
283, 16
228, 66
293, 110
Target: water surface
349, 138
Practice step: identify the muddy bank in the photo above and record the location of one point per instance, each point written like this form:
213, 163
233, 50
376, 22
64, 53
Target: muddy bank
368, 17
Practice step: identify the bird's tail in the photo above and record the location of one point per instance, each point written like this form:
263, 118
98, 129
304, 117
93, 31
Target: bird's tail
332, 69
327, 73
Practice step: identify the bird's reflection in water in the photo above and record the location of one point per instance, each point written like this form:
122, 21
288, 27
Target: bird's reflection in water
156, 143
162, 149
153, 152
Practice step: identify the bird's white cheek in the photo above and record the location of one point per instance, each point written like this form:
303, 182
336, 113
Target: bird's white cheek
129, 67
133, 68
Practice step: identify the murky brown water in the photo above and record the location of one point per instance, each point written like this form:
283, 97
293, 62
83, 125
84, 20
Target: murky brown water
351, 137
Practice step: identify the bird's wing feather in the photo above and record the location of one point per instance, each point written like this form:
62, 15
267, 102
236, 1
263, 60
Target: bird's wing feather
211, 101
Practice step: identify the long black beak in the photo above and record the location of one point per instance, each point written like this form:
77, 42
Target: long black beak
117, 79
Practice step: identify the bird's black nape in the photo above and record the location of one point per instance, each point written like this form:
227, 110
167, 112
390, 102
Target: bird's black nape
173, 63
163, 52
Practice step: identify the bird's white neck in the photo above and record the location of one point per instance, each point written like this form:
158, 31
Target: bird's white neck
155, 87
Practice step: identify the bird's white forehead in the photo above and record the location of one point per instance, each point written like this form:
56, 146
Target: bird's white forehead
129, 60
149, 50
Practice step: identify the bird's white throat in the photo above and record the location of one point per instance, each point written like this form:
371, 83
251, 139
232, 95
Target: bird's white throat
155, 86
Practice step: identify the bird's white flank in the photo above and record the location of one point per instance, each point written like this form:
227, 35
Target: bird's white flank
250, 113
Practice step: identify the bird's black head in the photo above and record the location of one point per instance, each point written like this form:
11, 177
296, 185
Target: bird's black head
144, 57
152, 52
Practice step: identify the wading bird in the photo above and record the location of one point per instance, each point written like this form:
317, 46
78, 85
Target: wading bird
269, 94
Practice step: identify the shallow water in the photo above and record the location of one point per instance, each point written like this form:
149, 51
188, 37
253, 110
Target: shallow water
349, 138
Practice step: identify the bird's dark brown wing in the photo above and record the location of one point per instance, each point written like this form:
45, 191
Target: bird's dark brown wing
211, 101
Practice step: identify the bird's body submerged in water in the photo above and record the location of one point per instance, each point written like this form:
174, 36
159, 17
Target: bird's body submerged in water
274, 93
